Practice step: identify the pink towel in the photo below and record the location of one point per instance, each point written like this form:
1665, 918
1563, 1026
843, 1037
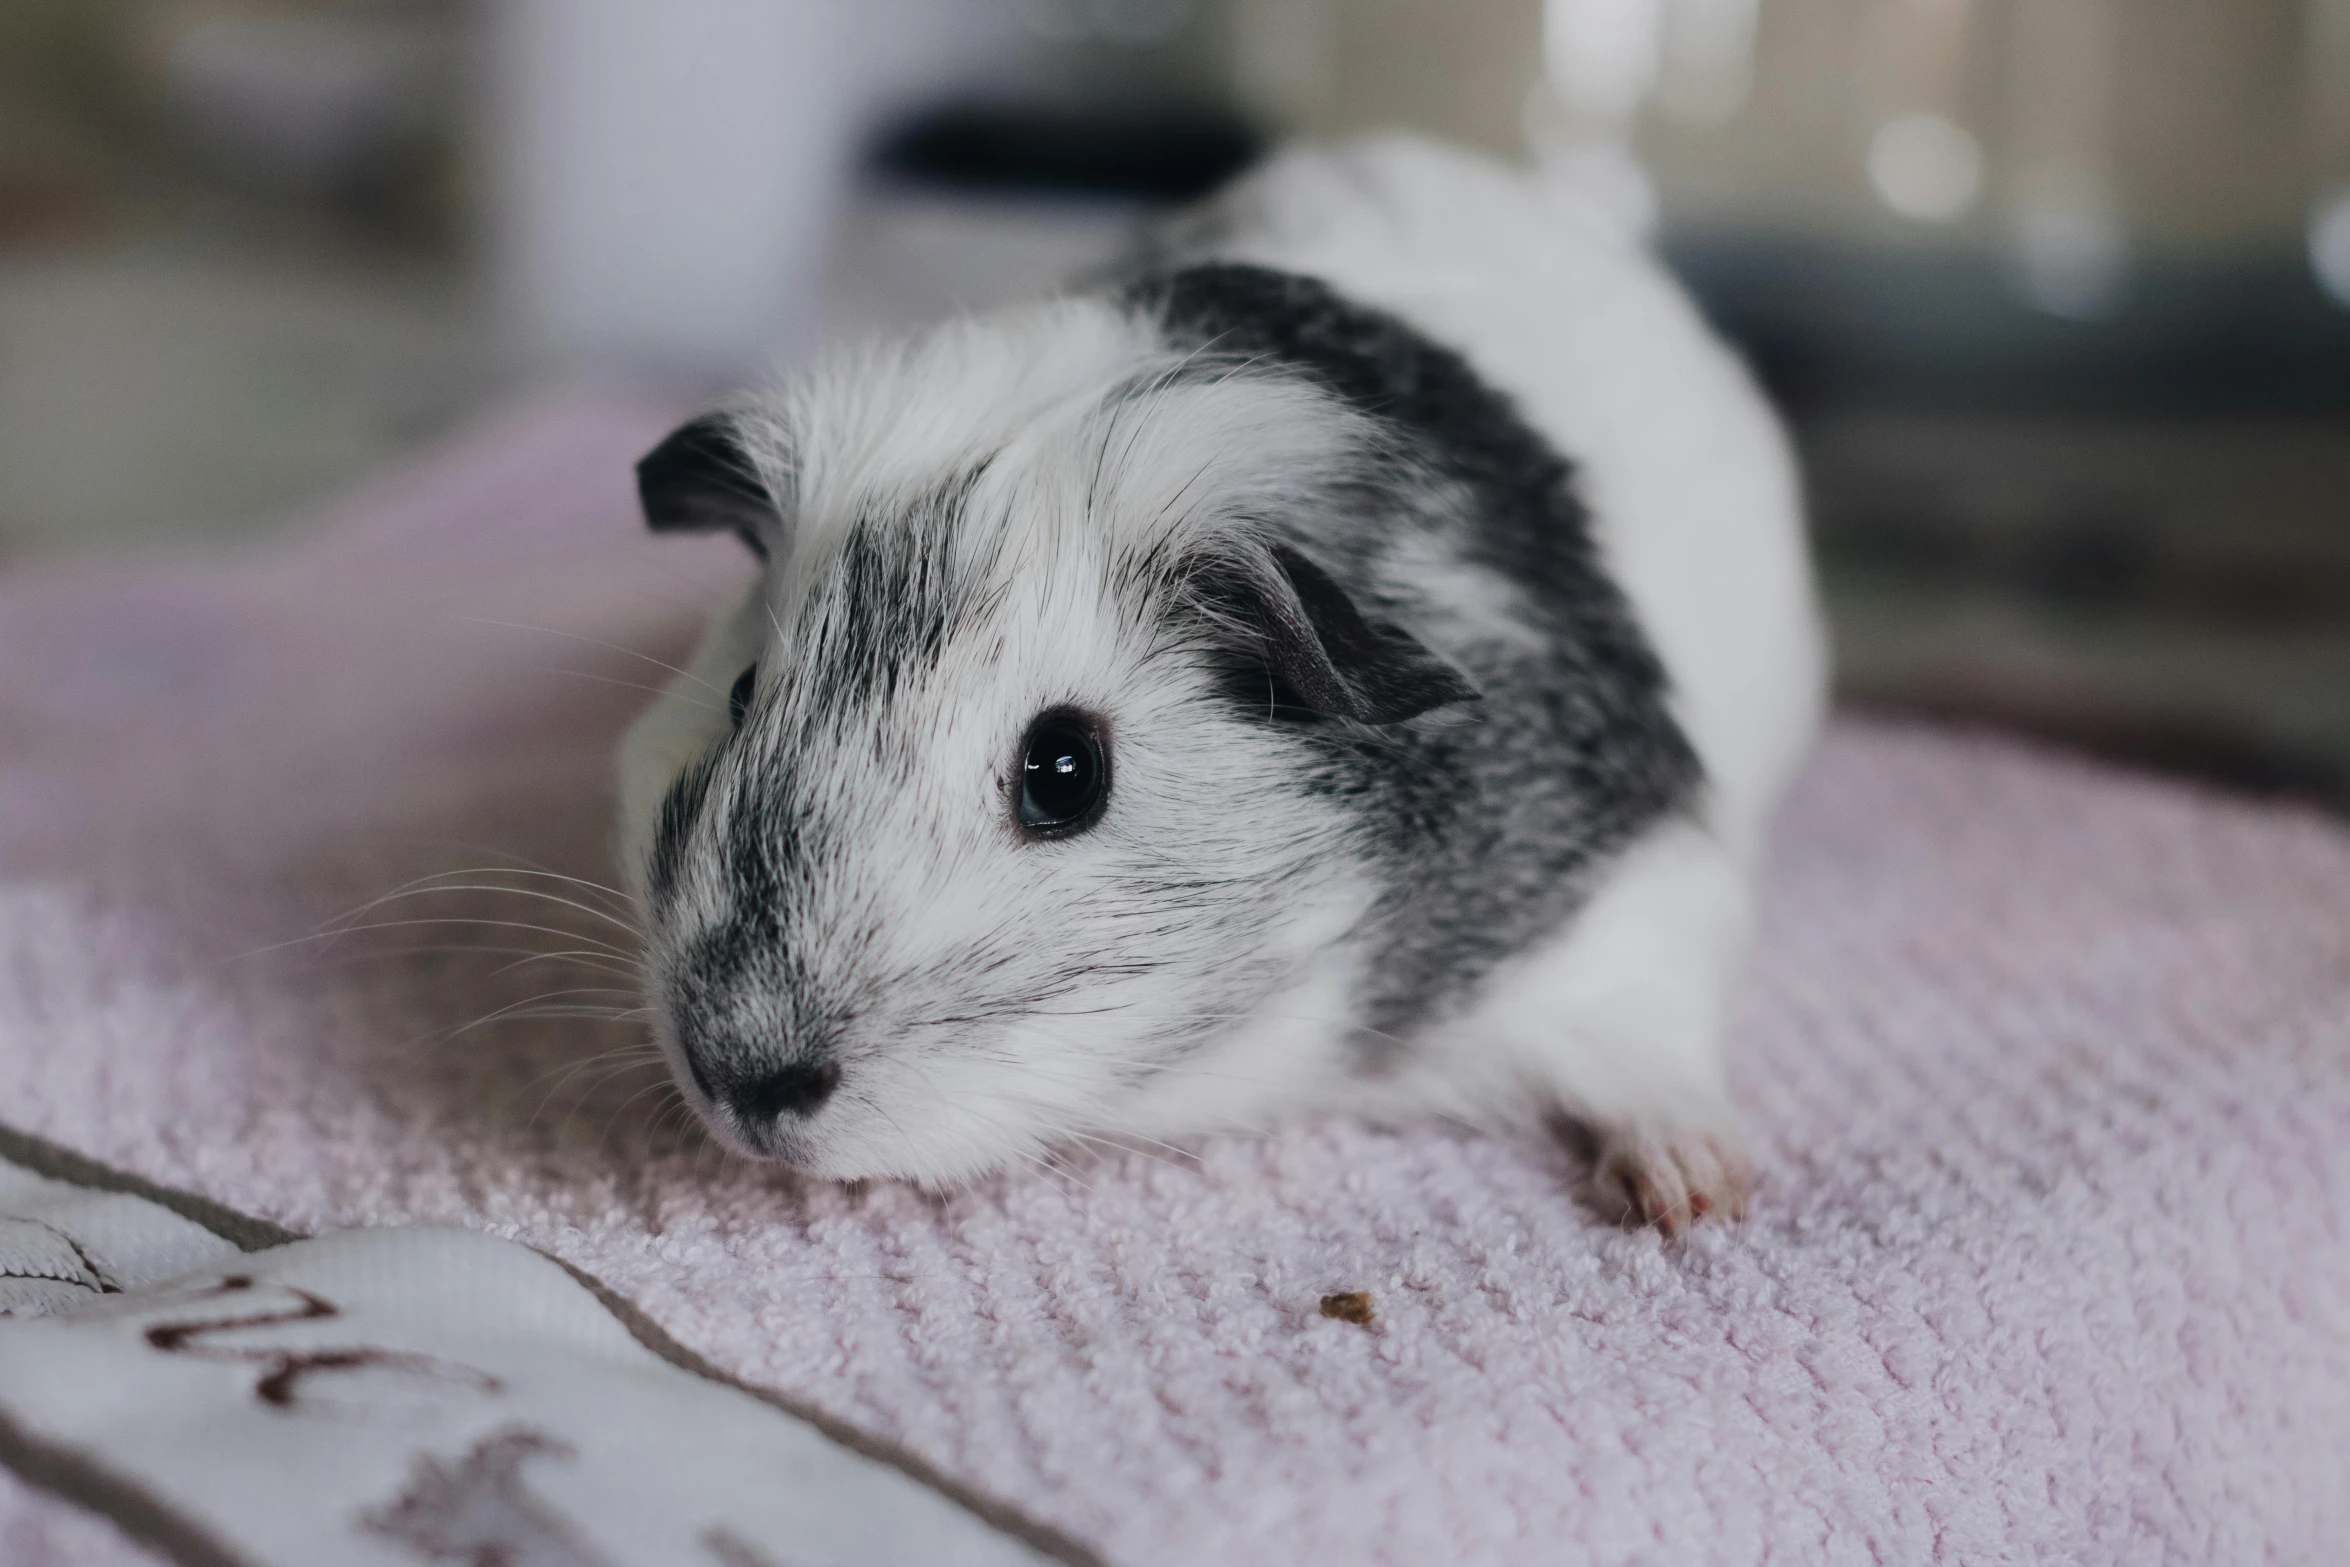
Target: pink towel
2047, 1071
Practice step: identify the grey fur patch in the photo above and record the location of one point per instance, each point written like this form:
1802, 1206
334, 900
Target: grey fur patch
1485, 822
875, 620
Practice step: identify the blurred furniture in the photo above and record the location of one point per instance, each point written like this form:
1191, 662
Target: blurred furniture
2057, 293
663, 178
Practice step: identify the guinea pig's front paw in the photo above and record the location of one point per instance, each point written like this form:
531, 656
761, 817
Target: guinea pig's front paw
1669, 1176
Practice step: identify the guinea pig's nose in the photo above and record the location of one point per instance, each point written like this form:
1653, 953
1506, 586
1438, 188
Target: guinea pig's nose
798, 1089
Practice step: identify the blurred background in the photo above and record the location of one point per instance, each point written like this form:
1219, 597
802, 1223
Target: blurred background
2055, 292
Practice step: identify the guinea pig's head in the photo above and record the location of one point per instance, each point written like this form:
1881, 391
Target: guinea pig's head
1007, 783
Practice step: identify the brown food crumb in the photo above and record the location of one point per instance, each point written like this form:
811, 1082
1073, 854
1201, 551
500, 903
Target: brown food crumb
1353, 1306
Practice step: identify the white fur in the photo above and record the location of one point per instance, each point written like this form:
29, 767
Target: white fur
1076, 483
1617, 1018
1698, 513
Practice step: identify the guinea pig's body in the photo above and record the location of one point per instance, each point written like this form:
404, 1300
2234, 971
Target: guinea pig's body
1347, 662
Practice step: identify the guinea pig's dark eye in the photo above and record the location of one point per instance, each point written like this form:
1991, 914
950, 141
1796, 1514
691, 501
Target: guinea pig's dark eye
739, 699
1064, 775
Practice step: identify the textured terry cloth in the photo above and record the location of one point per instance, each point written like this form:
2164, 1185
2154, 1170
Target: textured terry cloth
375, 1395
2046, 1068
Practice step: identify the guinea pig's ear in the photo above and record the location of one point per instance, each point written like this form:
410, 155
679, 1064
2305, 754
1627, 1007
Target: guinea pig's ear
1333, 659
701, 479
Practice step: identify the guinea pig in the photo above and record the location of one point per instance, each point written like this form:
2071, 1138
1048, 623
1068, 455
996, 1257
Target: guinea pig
1344, 661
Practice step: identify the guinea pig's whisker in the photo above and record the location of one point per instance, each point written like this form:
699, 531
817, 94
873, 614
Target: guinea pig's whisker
614, 647
446, 919
534, 872
1122, 1146
544, 1006
706, 1148
443, 1038
587, 1089
670, 1137
675, 1119
664, 1127
521, 863
579, 1011
651, 1127
461, 879
444, 880
602, 966
604, 1069
613, 1122
512, 892
595, 962
557, 995
595, 1015
638, 1054
1179, 1152
638, 685
542, 1009
620, 902
1059, 1174
523, 956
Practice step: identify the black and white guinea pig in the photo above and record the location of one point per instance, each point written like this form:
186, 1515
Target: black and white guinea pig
1345, 663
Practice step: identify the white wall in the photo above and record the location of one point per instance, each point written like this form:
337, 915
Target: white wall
666, 174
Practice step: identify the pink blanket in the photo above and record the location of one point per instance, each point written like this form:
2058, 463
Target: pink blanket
2047, 1071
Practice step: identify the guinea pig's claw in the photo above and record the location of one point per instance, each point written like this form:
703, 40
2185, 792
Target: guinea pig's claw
1669, 1178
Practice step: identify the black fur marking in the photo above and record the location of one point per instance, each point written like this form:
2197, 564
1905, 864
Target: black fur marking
700, 480
742, 955
681, 807
876, 615
887, 611
1341, 664
1486, 830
